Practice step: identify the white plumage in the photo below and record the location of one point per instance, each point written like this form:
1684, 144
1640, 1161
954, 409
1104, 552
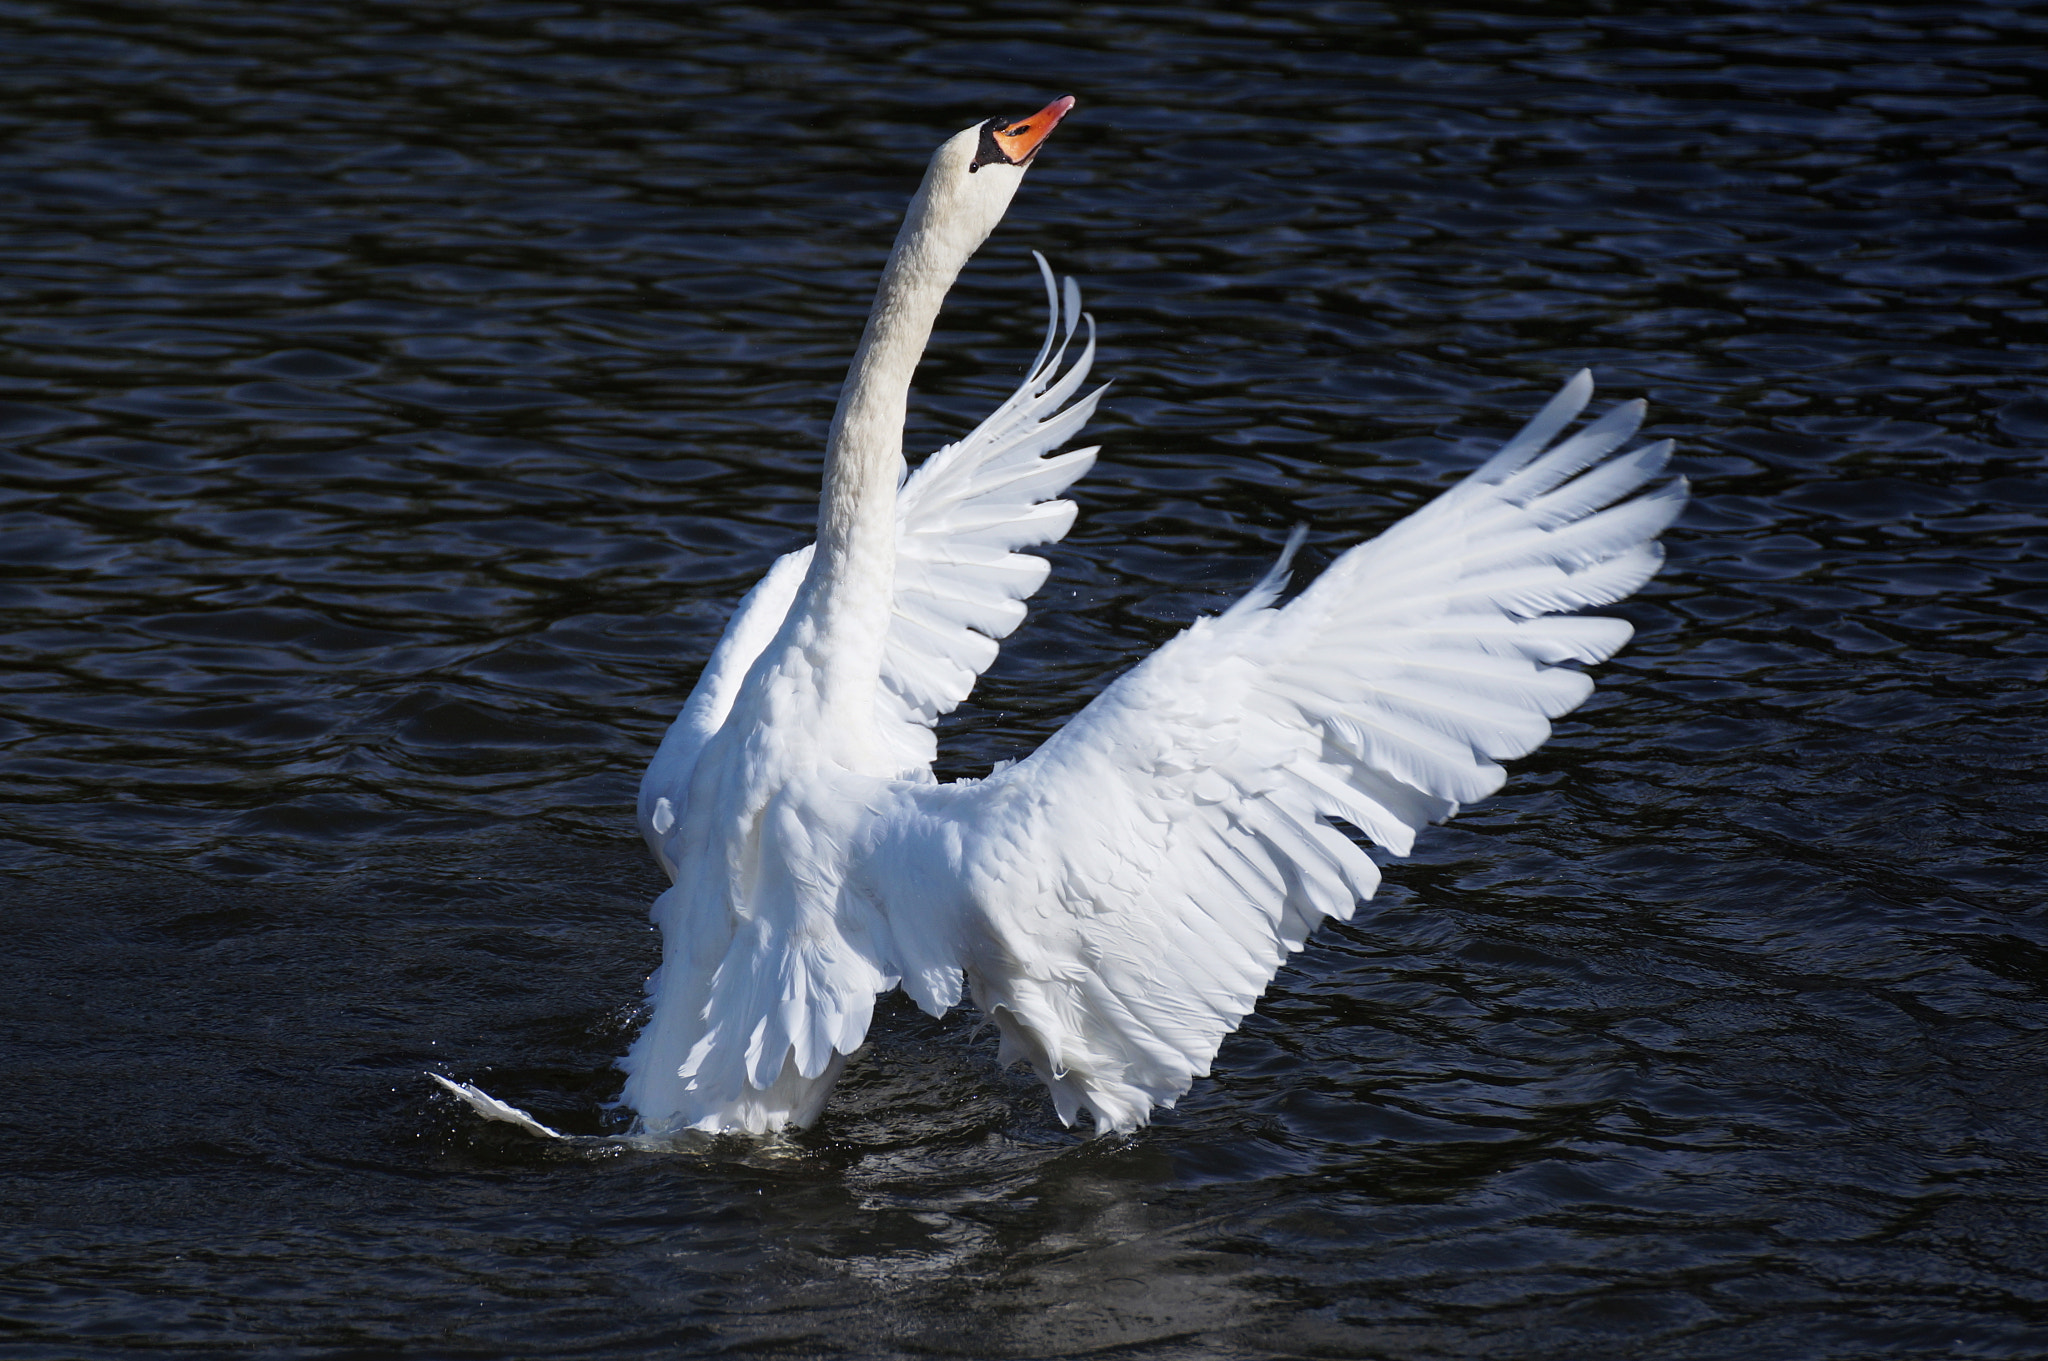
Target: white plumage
1118, 901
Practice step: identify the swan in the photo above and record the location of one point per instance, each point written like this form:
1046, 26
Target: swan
1117, 901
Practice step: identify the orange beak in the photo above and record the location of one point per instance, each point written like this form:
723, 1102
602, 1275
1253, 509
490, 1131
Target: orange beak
1020, 140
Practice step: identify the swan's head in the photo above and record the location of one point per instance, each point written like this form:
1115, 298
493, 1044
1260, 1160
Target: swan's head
1013, 142
972, 177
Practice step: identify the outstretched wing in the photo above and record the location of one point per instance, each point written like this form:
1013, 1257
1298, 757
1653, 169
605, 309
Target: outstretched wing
960, 583
1129, 890
961, 517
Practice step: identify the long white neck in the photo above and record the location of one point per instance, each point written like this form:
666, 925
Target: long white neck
851, 583
864, 453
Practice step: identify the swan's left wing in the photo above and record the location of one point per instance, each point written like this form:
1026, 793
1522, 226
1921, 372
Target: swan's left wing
666, 784
1118, 901
960, 581
961, 517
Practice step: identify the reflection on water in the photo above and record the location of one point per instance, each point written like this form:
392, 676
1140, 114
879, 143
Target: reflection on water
394, 399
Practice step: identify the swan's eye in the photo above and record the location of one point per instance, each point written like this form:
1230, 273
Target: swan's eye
991, 152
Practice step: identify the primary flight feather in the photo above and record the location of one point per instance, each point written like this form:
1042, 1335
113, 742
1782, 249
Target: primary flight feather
1118, 901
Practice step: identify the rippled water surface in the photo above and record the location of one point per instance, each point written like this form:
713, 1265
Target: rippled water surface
395, 397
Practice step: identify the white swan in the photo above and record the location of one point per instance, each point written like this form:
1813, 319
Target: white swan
1118, 901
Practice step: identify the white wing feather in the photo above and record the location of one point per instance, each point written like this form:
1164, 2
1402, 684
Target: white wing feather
960, 583
1118, 901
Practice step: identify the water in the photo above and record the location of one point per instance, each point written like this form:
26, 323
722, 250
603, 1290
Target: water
397, 396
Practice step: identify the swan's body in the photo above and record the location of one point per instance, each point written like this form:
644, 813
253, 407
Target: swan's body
1118, 901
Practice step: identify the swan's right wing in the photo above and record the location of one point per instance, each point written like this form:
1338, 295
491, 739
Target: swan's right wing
1127, 893
961, 517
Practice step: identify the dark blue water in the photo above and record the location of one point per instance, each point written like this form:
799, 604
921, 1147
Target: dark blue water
395, 397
